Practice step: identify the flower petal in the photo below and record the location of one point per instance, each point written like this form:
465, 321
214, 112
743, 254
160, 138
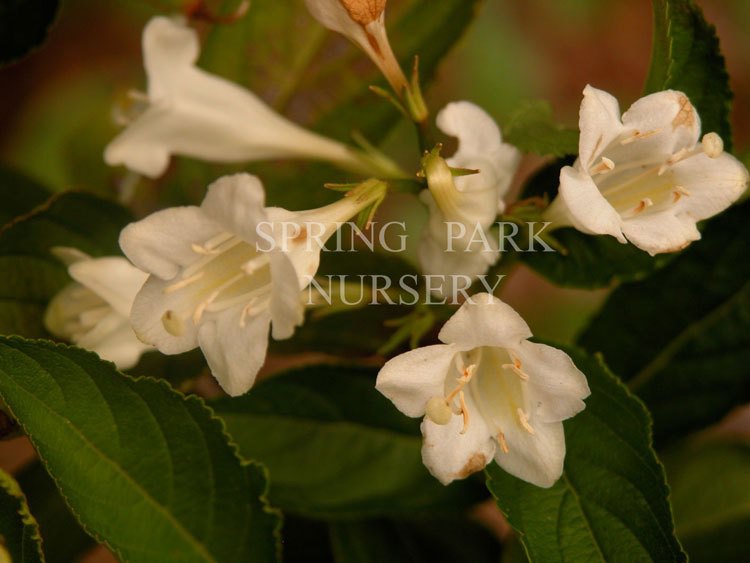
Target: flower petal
713, 184
169, 47
662, 231
235, 354
599, 122
557, 387
287, 309
450, 455
536, 458
112, 278
484, 321
411, 379
121, 346
162, 242
589, 211
237, 202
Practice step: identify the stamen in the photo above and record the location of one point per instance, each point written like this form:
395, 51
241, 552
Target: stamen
679, 191
201, 308
464, 411
468, 373
515, 367
255, 264
199, 249
502, 442
713, 146
184, 282
524, 419
605, 165
438, 411
639, 135
172, 323
645, 203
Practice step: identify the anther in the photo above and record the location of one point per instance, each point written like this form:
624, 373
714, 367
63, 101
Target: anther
679, 191
645, 203
502, 442
605, 165
515, 367
172, 323
712, 144
524, 420
184, 282
464, 411
638, 135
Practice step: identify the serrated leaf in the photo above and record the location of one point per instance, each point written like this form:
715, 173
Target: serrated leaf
687, 57
146, 470
682, 338
711, 498
588, 262
19, 532
64, 538
532, 128
366, 455
611, 502
423, 541
24, 26
19, 194
31, 274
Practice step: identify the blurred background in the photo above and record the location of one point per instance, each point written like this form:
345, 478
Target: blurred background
56, 105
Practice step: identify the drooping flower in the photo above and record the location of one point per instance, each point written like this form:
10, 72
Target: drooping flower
462, 209
645, 177
193, 113
93, 312
486, 393
223, 272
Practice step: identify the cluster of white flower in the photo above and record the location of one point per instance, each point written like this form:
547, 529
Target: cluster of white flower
201, 279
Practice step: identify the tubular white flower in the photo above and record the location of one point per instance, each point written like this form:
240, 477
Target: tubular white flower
645, 177
363, 22
192, 113
466, 204
223, 272
488, 392
94, 311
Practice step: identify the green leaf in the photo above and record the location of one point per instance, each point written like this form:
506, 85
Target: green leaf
31, 274
423, 541
682, 338
711, 498
588, 262
111, 441
611, 502
64, 538
532, 128
24, 26
686, 57
19, 532
335, 447
19, 194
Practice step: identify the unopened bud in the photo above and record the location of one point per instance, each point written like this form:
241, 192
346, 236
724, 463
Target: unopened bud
364, 12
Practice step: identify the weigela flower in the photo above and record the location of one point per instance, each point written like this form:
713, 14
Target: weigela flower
645, 177
462, 209
363, 22
223, 272
488, 392
94, 311
192, 113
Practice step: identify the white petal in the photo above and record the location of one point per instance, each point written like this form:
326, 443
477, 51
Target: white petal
112, 278
333, 15
450, 455
672, 119
121, 346
589, 211
233, 353
413, 378
599, 122
68, 255
556, 386
149, 307
536, 458
484, 321
236, 202
169, 47
713, 183
662, 231
162, 242
476, 131
287, 310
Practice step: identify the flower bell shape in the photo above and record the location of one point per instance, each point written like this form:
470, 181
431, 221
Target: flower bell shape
645, 177
193, 113
486, 393
93, 312
363, 22
462, 209
223, 272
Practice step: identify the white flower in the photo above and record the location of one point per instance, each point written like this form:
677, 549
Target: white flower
363, 22
645, 177
192, 113
456, 239
222, 272
94, 311
488, 392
